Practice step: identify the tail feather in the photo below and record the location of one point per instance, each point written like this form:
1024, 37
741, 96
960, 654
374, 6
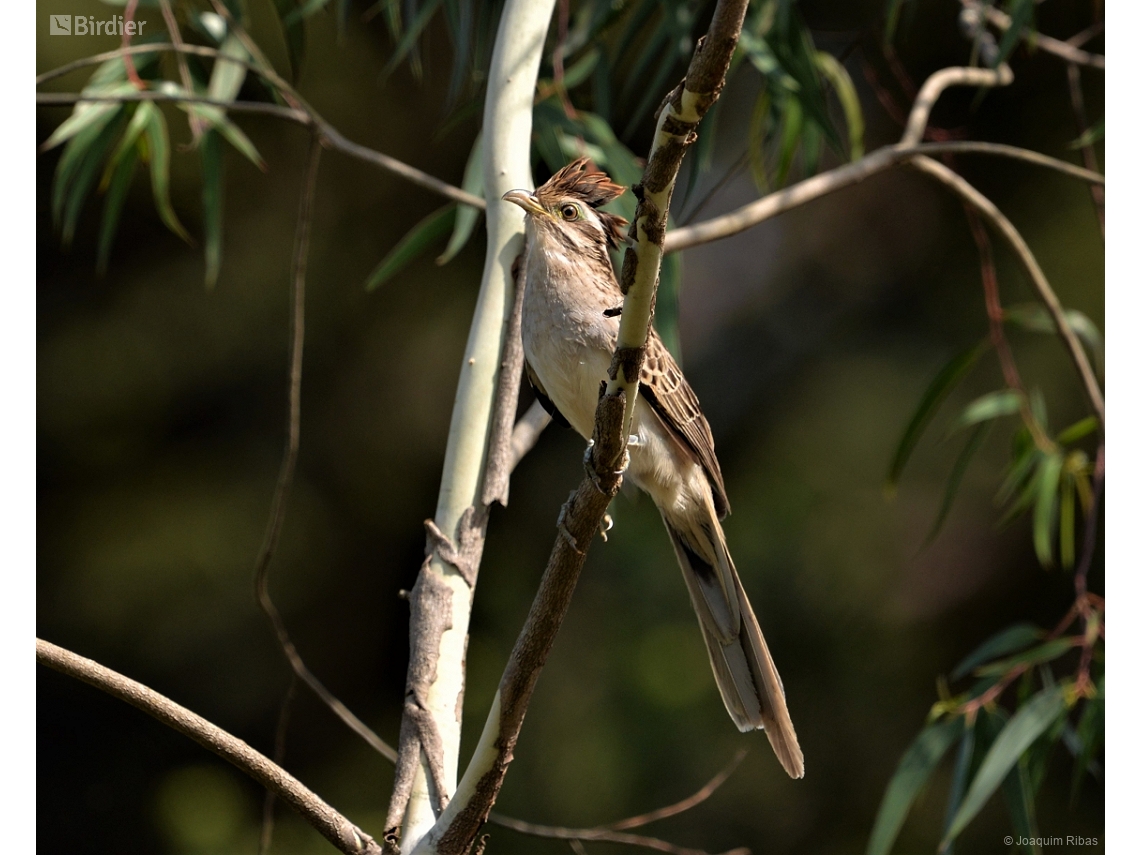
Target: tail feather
745, 674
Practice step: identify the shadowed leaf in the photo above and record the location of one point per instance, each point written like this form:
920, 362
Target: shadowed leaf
844, 88
1021, 15
210, 152
411, 34
1078, 430
943, 383
78, 169
993, 405
1023, 728
423, 234
466, 216
1046, 652
962, 764
1036, 318
113, 206
158, 149
1045, 509
1016, 637
977, 438
913, 771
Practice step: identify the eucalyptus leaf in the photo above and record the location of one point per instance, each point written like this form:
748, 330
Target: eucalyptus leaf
422, 235
1028, 723
120, 184
1078, 430
961, 464
210, 155
913, 771
949, 376
466, 216
1012, 638
993, 405
1045, 507
227, 77
1046, 652
844, 88
158, 149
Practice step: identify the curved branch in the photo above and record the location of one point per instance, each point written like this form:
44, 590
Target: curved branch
332, 825
527, 431
1063, 50
938, 83
810, 189
991, 214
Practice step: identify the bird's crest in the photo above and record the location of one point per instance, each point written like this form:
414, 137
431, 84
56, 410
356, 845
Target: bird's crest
594, 188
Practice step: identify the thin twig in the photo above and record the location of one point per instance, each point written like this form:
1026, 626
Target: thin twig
180, 58
266, 839
1088, 153
289, 463
938, 83
1058, 48
991, 214
332, 825
600, 832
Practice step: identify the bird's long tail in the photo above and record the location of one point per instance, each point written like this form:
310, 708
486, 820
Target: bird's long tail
745, 673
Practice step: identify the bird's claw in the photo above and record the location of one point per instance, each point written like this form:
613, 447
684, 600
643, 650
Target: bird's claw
607, 524
634, 441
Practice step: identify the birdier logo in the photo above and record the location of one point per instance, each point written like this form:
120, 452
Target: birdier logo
83, 25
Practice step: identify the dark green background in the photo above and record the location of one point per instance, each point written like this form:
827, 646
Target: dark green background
809, 341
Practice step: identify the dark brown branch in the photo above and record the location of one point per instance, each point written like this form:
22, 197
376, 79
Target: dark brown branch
997, 220
582, 515
500, 448
289, 463
332, 825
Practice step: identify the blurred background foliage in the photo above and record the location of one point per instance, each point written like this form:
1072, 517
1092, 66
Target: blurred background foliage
810, 340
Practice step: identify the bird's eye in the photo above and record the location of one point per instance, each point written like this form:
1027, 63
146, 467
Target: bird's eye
569, 212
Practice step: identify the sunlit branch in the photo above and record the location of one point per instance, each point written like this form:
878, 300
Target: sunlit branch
1058, 48
332, 825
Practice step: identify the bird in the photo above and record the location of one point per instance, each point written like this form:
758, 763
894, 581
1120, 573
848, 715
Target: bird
571, 304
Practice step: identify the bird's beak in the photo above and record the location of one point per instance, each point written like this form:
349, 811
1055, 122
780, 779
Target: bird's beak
525, 200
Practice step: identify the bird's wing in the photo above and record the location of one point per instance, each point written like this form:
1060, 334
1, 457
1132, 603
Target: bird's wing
543, 398
665, 388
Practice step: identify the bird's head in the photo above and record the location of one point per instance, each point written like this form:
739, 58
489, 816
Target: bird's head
567, 205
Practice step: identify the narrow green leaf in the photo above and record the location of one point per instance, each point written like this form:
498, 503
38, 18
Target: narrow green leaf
1018, 793
943, 383
1090, 734
294, 35
1036, 318
1045, 509
1019, 469
961, 777
113, 207
580, 71
305, 10
977, 438
890, 28
1046, 652
1016, 637
912, 773
757, 136
84, 176
227, 77
793, 124
1023, 728
423, 234
210, 153
411, 34
1021, 18
466, 216
158, 147
88, 114
1078, 430
1066, 521
993, 405
840, 80
1092, 135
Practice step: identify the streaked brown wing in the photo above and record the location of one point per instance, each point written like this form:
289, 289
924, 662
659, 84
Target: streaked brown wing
668, 392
